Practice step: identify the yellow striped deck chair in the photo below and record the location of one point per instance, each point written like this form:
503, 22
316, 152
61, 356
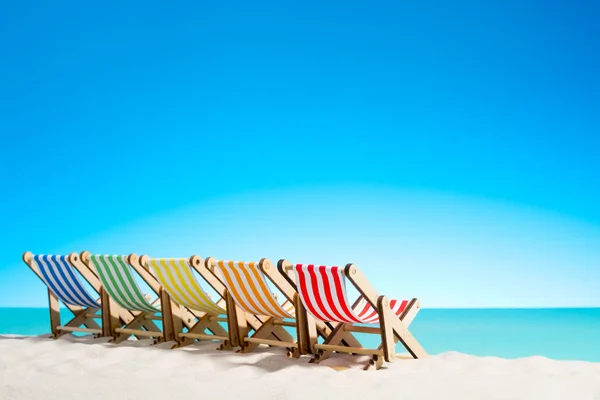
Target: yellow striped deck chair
176, 276
246, 282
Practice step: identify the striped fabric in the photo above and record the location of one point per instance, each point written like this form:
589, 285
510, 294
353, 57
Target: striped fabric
289, 307
249, 289
369, 315
175, 275
58, 274
323, 293
118, 280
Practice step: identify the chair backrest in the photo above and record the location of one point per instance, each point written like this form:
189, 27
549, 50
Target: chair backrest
176, 277
248, 286
118, 281
323, 292
59, 275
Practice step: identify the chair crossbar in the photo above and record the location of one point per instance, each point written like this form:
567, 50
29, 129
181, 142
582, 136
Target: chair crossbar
285, 323
203, 336
139, 332
77, 329
268, 342
349, 350
362, 329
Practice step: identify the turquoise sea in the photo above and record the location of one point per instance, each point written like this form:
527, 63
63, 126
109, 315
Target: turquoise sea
561, 333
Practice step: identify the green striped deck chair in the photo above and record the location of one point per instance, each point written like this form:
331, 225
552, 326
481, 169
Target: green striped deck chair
117, 276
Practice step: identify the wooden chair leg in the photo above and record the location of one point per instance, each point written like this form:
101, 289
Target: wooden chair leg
171, 318
177, 320
387, 332
306, 328
237, 322
312, 333
374, 364
107, 318
54, 308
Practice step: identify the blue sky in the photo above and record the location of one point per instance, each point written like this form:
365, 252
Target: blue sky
457, 137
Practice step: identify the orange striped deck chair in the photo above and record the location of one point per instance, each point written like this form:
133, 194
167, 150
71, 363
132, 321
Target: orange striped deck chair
247, 285
176, 276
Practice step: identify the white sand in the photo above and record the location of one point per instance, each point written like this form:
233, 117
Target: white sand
69, 368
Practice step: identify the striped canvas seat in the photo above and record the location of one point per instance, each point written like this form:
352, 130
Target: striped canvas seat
249, 289
369, 315
289, 307
117, 279
323, 292
176, 277
59, 275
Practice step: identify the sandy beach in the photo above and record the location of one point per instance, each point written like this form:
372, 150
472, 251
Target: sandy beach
75, 368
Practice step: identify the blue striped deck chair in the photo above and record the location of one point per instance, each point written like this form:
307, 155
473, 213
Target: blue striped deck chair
116, 272
61, 275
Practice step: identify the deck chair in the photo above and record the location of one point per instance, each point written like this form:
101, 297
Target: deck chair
176, 277
247, 286
322, 291
116, 274
61, 274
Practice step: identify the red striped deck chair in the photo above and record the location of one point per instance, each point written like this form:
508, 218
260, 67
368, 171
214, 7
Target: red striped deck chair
322, 291
247, 285
61, 274
175, 275
116, 274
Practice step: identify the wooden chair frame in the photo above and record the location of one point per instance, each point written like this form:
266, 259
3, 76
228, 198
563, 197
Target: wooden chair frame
392, 329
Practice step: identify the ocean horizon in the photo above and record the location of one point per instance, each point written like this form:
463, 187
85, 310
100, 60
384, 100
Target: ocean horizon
556, 333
